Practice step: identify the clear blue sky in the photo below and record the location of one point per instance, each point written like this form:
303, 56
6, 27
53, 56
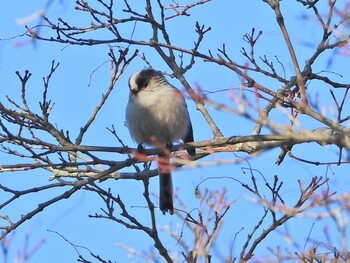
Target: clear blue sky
75, 99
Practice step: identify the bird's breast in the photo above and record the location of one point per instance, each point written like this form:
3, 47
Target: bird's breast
157, 117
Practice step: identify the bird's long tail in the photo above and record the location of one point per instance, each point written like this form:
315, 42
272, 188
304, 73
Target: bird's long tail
165, 184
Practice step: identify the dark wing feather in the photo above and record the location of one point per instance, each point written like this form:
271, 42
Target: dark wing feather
189, 138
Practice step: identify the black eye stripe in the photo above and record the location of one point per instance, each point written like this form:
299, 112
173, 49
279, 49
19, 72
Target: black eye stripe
141, 82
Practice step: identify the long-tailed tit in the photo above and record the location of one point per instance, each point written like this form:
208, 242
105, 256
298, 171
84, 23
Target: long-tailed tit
157, 114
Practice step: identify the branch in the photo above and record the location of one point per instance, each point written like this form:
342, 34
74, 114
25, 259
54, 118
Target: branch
274, 4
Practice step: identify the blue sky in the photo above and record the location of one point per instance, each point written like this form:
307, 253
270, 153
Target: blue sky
75, 91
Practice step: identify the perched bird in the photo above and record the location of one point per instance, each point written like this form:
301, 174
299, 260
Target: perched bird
156, 114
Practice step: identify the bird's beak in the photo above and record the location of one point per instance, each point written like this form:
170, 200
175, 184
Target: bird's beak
134, 91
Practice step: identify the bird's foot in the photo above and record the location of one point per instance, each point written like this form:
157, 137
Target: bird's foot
169, 146
140, 148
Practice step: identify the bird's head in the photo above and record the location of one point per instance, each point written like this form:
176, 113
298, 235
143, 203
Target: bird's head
145, 79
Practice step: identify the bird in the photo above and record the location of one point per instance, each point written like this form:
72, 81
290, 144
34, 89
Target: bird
157, 115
